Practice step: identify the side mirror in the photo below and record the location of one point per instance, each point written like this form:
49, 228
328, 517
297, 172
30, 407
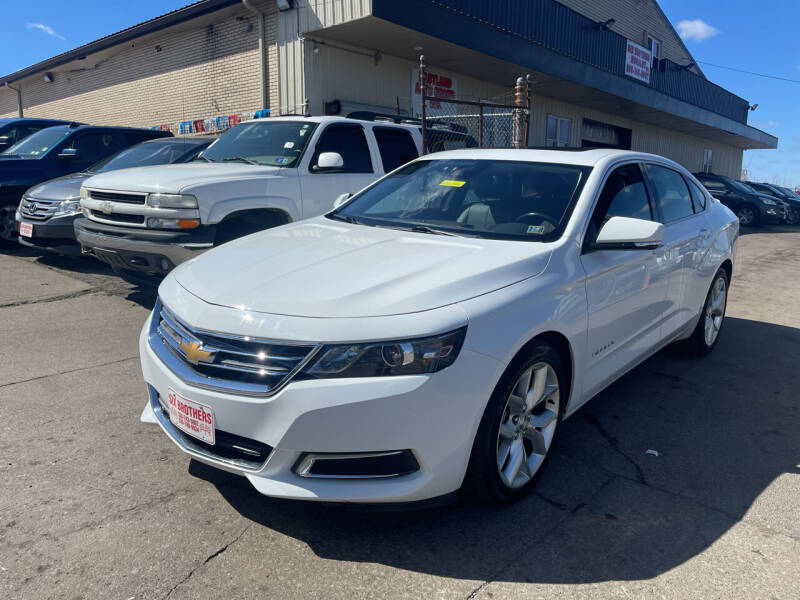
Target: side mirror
341, 199
625, 233
329, 160
68, 153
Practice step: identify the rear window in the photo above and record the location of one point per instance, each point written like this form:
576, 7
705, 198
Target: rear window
396, 147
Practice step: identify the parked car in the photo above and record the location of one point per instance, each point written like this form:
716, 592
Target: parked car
14, 130
750, 206
258, 175
791, 199
47, 211
51, 153
431, 332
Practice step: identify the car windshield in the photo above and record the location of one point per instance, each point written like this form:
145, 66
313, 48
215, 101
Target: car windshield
142, 155
481, 198
276, 143
37, 144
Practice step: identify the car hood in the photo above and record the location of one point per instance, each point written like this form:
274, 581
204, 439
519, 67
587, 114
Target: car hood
61, 188
323, 268
174, 179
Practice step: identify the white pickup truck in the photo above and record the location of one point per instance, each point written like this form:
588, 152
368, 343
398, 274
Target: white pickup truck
260, 174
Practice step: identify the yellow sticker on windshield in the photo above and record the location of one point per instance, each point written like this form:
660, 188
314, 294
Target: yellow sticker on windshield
452, 183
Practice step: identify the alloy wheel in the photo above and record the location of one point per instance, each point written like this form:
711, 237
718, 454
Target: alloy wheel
715, 310
527, 425
7, 216
747, 215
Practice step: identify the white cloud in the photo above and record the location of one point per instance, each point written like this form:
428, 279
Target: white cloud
697, 30
46, 29
765, 124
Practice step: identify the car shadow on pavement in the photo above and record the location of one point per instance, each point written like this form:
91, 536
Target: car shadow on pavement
647, 476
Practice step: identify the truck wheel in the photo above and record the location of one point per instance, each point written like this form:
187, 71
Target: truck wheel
240, 226
8, 235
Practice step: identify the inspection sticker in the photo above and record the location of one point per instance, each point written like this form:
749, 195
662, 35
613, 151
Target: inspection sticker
537, 229
452, 183
289, 145
191, 417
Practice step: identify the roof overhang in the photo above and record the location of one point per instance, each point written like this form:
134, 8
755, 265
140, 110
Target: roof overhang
486, 53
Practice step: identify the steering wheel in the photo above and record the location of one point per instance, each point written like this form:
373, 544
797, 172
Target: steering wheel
534, 215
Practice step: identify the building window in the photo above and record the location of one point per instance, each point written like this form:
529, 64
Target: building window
654, 46
558, 130
707, 156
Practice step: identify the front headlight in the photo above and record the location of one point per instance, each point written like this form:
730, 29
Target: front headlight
172, 201
379, 359
768, 202
68, 207
84, 194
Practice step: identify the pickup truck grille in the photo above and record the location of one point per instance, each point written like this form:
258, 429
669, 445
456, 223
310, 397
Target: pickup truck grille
118, 217
38, 210
226, 362
118, 197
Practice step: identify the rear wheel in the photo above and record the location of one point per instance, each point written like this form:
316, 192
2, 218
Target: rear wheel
8, 233
748, 215
708, 328
518, 428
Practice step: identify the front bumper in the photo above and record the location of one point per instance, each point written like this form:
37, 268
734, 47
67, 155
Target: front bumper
772, 214
137, 249
434, 416
56, 234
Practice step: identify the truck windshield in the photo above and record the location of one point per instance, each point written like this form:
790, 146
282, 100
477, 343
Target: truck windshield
37, 144
498, 199
276, 143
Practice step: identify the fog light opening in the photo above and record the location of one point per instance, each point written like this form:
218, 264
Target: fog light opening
360, 465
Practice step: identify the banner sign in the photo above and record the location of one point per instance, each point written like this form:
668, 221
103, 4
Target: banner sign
638, 60
436, 85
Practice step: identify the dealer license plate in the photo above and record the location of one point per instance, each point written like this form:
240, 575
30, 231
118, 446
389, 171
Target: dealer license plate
26, 229
191, 417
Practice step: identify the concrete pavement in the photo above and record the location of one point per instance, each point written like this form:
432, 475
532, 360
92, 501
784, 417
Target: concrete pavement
94, 504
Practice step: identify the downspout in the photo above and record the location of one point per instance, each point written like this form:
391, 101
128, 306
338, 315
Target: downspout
17, 89
261, 52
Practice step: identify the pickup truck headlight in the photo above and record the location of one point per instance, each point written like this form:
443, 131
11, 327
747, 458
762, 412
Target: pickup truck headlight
380, 359
84, 193
172, 201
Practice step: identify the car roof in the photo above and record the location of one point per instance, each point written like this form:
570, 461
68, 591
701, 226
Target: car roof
588, 157
5, 120
81, 127
191, 141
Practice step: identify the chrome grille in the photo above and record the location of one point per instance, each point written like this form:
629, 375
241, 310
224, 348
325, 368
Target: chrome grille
38, 210
225, 362
118, 197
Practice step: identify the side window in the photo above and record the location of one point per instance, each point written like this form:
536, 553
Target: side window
671, 193
714, 186
396, 147
93, 147
350, 142
624, 195
557, 134
698, 197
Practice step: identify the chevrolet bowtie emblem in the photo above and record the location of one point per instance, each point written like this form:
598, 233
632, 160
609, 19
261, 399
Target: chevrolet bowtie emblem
107, 208
194, 352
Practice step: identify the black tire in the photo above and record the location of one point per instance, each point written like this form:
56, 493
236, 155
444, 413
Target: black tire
236, 227
8, 233
698, 343
482, 481
747, 215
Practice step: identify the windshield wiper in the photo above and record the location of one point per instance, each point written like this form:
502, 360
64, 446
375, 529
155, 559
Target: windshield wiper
240, 159
421, 229
345, 218
203, 158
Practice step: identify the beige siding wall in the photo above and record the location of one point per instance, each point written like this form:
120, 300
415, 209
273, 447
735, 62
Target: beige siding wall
635, 19
199, 72
684, 149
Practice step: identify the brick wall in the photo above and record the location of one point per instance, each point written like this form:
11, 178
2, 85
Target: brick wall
194, 70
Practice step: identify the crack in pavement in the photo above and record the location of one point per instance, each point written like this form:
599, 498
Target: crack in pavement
68, 371
209, 558
614, 443
70, 296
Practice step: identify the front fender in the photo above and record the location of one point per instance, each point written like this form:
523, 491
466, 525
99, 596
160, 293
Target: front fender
221, 209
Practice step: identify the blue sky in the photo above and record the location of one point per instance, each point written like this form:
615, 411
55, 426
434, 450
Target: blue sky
761, 38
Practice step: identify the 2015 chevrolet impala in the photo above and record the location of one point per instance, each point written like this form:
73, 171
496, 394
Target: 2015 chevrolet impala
431, 332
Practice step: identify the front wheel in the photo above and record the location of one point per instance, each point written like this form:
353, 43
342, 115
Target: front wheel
8, 233
708, 328
518, 428
748, 216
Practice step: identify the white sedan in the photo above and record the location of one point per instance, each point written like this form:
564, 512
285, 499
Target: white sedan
430, 333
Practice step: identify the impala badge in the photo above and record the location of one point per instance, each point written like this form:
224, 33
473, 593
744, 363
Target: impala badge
194, 352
